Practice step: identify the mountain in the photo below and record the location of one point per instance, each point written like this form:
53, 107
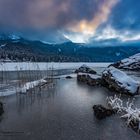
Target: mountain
15, 48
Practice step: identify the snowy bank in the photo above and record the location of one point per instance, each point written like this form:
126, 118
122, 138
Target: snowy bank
120, 81
131, 63
30, 85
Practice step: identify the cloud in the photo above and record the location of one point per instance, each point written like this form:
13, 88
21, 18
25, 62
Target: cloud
112, 36
125, 15
31, 14
77, 20
77, 38
45, 14
83, 30
106, 36
36, 18
89, 27
108, 33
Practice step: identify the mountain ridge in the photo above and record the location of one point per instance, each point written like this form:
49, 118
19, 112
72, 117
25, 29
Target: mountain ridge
19, 49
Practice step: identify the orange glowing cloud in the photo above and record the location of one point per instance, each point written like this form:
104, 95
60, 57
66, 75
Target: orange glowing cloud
89, 27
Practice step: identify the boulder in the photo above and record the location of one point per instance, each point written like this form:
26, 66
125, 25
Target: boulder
94, 80
1, 109
68, 77
85, 69
101, 112
82, 77
119, 81
132, 63
90, 79
135, 125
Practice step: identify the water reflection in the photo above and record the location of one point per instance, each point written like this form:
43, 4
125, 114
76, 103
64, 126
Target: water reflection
36, 96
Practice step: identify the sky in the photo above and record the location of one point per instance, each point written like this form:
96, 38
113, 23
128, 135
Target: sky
101, 22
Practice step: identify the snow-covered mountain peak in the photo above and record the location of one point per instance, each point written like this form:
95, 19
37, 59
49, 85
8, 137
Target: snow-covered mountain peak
13, 37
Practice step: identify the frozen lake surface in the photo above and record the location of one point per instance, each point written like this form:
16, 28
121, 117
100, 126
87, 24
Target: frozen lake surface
62, 112
22, 66
13, 76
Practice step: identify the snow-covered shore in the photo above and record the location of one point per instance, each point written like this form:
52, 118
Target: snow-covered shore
23, 66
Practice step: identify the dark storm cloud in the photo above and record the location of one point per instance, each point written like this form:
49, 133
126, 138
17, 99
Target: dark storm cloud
44, 18
44, 14
50, 19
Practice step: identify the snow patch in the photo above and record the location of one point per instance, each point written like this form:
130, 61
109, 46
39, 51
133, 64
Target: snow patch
23, 89
3, 45
31, 85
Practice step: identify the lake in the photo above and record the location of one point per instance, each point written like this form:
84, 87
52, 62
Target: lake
62, 111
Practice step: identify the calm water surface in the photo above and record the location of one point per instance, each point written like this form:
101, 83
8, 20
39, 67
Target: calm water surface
63, 112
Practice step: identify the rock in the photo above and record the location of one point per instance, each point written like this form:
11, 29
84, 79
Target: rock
119, 81
1, 109
68, 77
94, 80
85, 69
90, 79
82, 77
101, 112
132, 63
135, 126
113, 79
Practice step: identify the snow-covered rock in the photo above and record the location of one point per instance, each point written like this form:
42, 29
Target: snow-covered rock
112, 78
85, 69
131, 63
120, 81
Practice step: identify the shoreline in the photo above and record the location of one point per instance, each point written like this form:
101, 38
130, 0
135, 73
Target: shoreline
25, 66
